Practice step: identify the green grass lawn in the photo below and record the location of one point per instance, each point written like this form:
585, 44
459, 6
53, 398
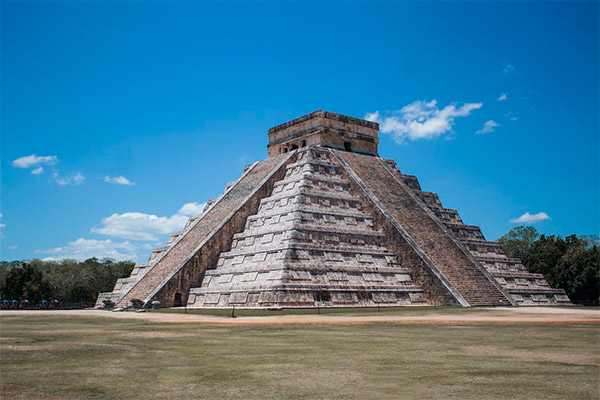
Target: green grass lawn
81, 357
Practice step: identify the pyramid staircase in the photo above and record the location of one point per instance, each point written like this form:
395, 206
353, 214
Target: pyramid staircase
168, 274
309, 244
324, 221
430, 238
524, 287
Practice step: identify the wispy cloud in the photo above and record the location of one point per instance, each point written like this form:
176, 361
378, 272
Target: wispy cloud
82, 249
502, 97
119, 180
147, 227
2, 226
421, 120
37, 163
511, 116
244, 158
13, 247
33, 160
509, 69
488, 127
528, 218
76, 179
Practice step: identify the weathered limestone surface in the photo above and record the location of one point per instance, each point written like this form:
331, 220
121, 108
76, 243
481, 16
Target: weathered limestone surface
325, 221
322, 128
179, 264
309, 243
524, 287
438, 247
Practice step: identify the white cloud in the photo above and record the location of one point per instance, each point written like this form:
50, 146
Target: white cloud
141, 226
488, 127
192, 209
502, 97
373, 117
509, 69
530, 218
82, 249
13, 247
76, 179
244, 158
33, 160
119, 180
421, 120
37, 161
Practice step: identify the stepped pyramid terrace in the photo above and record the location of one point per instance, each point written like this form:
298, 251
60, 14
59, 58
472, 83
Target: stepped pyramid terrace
324, 221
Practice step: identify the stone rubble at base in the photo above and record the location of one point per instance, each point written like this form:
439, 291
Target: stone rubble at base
326, 222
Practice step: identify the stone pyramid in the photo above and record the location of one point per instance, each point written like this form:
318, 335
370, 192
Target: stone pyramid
309, 242
326, 222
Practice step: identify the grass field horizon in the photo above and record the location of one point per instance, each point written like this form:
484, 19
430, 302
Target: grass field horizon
58, 357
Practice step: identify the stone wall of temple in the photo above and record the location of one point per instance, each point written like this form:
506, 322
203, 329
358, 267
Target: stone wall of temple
324, 129
309, 244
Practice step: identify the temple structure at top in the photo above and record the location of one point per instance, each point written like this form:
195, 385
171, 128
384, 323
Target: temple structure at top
326, 129
324, 221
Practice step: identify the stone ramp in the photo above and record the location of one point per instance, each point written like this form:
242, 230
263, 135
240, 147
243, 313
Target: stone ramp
182, 260
432, 239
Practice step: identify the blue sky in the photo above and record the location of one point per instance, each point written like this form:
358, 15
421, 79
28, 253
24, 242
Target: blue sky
138, 112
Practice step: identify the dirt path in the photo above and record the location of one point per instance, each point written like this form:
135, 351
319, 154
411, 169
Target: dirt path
495, 315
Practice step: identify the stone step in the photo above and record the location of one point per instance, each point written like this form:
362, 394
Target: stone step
182, 250
428, 233
299, 255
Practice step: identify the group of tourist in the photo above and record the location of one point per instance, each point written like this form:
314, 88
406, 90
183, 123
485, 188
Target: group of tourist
29, 305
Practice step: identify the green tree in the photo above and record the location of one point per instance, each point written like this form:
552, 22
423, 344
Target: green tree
518, 241
571, 263
25, 283
579, 271
67, 280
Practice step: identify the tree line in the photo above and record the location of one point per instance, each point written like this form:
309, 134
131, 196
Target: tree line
571, 263
67, 281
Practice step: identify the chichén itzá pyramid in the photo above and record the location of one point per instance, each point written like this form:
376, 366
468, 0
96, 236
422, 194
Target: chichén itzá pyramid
324, 221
